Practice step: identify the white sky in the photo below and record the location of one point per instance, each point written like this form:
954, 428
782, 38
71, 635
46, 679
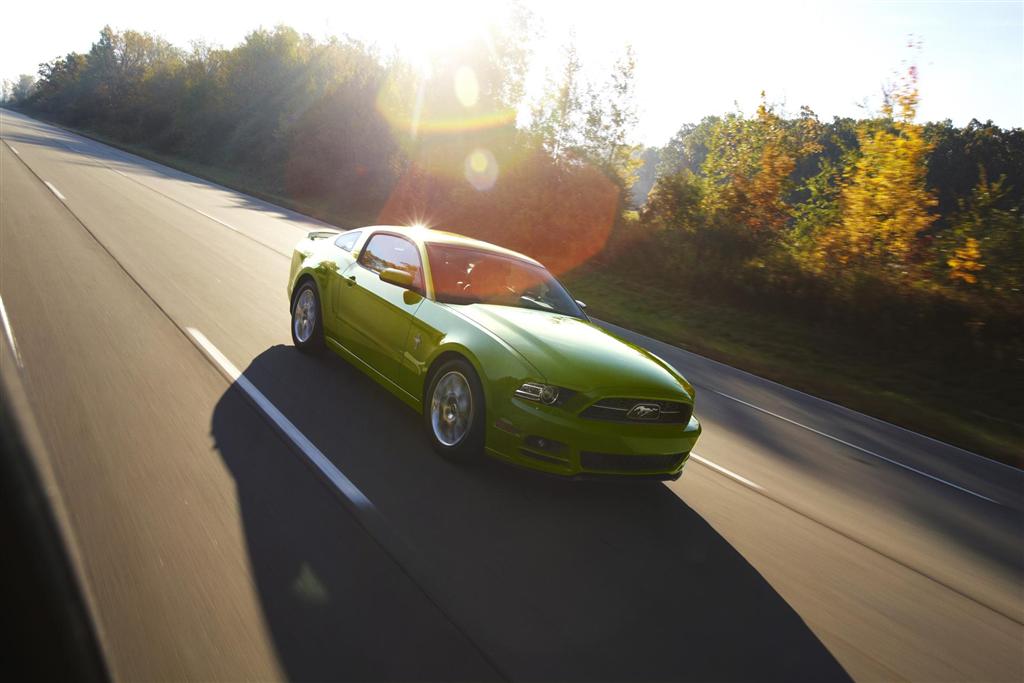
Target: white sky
693, 59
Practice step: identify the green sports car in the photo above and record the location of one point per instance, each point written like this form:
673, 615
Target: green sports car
492, 350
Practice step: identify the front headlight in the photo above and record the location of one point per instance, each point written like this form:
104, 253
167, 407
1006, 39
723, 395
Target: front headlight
548, 394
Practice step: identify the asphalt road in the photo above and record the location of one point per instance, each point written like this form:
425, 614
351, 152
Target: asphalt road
804, 542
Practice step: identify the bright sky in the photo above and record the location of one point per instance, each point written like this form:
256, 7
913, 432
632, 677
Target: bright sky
693, 59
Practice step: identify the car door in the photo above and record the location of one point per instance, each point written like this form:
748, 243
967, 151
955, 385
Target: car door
373, 316
334, 269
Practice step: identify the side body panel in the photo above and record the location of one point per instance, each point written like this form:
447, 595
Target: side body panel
373, 319
437, 329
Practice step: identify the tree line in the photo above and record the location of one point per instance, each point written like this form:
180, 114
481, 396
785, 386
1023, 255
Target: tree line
911, 230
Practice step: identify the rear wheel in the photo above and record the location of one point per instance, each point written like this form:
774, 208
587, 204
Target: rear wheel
307, 326
454, 410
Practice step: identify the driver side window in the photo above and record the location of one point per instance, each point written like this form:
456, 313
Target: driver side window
391, 251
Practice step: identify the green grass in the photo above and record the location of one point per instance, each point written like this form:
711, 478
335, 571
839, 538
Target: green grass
813, 359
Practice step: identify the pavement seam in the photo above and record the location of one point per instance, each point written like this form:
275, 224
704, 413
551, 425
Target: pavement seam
398, 554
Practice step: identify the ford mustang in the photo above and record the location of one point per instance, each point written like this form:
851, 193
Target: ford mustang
492, 350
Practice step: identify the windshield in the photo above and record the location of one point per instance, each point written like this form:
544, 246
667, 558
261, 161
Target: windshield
463, 275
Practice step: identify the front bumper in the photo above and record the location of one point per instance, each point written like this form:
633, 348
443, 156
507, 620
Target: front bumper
562, 443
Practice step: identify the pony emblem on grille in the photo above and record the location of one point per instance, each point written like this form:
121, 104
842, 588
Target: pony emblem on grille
644, 411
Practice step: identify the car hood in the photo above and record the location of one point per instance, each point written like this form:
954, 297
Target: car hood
577, 354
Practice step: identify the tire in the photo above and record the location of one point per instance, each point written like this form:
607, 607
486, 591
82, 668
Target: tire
454, 410
307, 319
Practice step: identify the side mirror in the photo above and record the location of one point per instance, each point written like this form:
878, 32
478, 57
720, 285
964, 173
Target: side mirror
580, 304
397, 277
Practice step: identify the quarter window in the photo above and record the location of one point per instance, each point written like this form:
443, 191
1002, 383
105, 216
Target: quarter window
391, 251
347, 240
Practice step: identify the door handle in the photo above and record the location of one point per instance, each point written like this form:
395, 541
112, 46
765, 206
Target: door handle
351, 280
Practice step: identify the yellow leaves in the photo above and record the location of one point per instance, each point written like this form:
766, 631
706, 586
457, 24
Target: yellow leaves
966, 263
886, 204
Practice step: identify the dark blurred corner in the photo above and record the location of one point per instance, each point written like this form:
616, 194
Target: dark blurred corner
48, 633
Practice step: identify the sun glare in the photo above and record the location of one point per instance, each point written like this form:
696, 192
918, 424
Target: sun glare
430, 30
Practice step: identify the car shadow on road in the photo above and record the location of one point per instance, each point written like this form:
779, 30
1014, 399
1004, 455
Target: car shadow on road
551, 579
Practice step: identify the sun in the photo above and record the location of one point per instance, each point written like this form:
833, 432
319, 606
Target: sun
428, 31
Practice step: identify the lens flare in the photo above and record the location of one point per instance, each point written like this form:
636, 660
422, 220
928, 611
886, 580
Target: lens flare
467, 89
481, 169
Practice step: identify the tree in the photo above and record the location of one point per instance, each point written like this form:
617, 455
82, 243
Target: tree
748, 167
986, 242
675, 202
646, 175
886, 204
22, 89
557, 118
609, 120
688, 148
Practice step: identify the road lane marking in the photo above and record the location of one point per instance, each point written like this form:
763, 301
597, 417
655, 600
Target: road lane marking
215, 219
312, 453
856, 447
728, 473
55, 191
10, 333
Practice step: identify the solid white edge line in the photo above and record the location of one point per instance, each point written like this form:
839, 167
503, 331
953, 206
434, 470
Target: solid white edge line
728, 473
10, 333
312, 453
856, 447
55, 190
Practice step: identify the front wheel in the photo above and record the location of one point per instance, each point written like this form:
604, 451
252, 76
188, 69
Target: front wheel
307, 327
454, 410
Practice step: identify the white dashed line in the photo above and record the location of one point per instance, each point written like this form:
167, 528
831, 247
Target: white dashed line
728, 473
10, 333
312, 453
856, 447
215, 219
55, 191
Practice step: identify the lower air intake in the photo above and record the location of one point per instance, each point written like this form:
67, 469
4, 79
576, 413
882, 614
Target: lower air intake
611, 462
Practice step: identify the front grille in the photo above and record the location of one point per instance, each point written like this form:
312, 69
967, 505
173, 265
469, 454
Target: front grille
618, 410
611, 462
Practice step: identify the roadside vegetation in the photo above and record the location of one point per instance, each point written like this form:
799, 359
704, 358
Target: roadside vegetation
876, 262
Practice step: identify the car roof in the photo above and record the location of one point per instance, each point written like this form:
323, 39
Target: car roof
426, 235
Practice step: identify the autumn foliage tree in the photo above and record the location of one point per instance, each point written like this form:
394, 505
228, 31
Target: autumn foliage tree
984, 231
749, 167
886, 204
